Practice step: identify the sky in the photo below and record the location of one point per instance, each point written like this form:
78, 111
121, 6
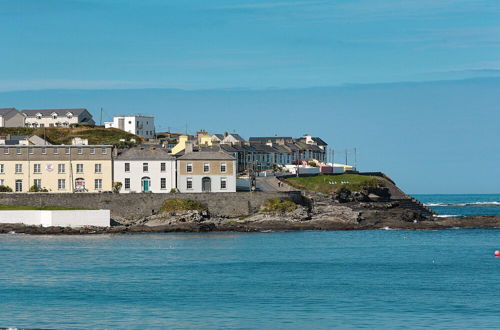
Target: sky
414, 85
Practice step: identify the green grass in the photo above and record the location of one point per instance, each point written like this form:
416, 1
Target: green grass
321, 183
278, 205
177, 204
34, 208
63, 135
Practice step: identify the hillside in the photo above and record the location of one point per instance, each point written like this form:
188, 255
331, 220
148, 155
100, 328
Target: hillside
63, 135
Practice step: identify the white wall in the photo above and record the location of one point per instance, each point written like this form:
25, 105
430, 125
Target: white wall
136, 174
197, 183
139, 125
63, 218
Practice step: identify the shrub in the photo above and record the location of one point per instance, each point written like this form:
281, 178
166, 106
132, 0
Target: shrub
312, 163
278, 205
5, 189
117, 186
177, 204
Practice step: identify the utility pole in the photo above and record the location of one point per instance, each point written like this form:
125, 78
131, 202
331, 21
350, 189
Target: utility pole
346, 156
355, 159
100, 121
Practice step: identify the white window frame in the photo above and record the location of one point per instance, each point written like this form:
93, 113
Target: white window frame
126, 184
189, 168
189, 182
61, 167
126, 167
163, 183
97, 184
37, 183
15, 185
61, 184
5, 151
207, 166
79, 168
37, 168
145, 167
92, 151
2, 168
44, 151
104, 151
223, 165
163, 167
98, 168
223, 180
18, 168
80, 151
18, 151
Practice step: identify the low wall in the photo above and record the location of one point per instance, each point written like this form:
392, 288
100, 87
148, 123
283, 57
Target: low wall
63, 218
133, 206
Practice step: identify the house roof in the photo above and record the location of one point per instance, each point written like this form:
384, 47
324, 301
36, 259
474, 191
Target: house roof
218, 136
48, 112
207, 155
305, 146
237, 137
319, 141
4, 111
143, 152
264, 139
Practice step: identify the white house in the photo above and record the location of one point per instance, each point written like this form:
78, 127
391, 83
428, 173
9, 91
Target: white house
145, 169
57, 117
11, 117
206, 171
142, 125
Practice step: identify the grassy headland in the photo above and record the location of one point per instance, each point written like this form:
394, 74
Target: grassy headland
331, 183
63, 135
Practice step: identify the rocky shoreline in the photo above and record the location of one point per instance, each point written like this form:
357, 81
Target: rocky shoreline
324, 212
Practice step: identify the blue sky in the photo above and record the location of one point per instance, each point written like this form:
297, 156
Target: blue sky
413, 84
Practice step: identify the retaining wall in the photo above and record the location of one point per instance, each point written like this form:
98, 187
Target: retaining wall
133, 206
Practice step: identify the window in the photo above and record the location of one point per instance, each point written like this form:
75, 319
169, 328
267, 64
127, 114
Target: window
223, 167
18, 151
223, 183
80, 151
163, 183
189, 183
1, 168
92, 151
61, 184
37, 183
56, 151
104, 151
19, 185
206, 167
127, 183
61, 168
31, 151
98, 184
163, 167
2, 182
189, 167
44, 151
37, 168
19, 168
97, 168
6, 151
79, 168
145, 167
67, 151
127, 167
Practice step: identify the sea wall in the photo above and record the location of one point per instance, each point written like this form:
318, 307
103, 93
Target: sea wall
61, 218
133, 206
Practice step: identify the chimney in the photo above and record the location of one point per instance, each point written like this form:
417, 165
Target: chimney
226, 134
189, 147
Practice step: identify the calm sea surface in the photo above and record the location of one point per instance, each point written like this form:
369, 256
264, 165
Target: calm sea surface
346, 279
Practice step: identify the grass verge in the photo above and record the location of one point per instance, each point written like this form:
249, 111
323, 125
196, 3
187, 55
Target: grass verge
331, 183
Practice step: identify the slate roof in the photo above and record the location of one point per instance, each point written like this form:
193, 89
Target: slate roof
264, 139
4, 111
219, 136
319, 141
144, 153
207, 155
237, 137
48, 112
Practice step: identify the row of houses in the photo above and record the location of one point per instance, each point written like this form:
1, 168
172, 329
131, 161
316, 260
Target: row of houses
258, 153
101, 168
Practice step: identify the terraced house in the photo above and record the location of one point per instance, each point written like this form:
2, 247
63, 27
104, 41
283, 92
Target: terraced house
57, 168
57, 117
206, 171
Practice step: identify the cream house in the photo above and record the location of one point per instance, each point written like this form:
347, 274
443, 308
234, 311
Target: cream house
206, 171
11, 117
57, 117
59, 169
146, 168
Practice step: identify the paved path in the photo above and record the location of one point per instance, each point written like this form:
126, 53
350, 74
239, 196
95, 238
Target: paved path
270, 183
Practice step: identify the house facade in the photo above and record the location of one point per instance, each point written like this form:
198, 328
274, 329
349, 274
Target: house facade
62, 169
11, 117
57, 117
141, 125
206, 171
145, 169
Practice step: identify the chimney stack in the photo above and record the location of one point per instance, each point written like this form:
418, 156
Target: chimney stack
189, 147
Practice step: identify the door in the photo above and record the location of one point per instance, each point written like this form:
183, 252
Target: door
206, 184
80, 184
146, 183
19, 185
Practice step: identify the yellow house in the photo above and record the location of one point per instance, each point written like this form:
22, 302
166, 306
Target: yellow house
202, 138
58, 169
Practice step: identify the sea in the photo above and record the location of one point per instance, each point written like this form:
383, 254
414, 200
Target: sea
374, 279
462, 205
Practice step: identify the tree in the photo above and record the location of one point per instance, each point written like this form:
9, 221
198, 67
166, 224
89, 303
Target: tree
117, 186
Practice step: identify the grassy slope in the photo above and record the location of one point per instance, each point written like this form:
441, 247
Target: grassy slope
322, 184
35, 208
63, 135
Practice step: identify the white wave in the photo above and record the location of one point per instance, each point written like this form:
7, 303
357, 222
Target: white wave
463, 204
435, 204
447, 216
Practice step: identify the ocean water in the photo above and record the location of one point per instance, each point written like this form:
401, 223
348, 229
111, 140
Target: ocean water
462, 205
445, 279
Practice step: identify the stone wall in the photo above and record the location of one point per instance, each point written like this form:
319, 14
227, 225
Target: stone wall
134, 206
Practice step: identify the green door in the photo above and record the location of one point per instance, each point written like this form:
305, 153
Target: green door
146, 183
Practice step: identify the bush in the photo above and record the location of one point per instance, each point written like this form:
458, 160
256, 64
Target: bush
117, 186
312, 163
177, 204
278, 205
5, 189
